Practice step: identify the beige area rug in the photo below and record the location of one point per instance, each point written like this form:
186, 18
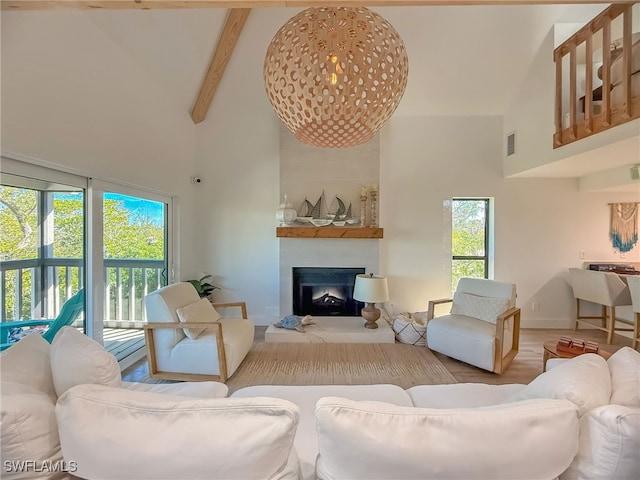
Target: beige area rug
338, 364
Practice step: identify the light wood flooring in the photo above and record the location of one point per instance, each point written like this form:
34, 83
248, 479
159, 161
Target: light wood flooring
524, 368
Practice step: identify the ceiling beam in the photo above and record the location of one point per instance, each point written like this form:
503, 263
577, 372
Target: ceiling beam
181, 4
233, 25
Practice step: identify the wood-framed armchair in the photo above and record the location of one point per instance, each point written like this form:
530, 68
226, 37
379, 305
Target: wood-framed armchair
213, 355
483, 328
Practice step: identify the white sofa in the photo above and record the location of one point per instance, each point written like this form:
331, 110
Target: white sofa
66, 407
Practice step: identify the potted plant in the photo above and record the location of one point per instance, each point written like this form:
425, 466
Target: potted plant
203, 287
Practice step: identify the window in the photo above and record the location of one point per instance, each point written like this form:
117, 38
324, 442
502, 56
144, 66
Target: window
470, 238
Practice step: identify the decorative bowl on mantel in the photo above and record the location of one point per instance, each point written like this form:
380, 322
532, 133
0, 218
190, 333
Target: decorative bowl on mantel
339, 223
319, 222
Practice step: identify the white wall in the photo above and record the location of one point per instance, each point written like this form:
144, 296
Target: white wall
531, 116
540, 224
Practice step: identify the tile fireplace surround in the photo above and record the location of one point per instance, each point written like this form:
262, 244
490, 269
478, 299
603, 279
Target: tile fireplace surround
316, 252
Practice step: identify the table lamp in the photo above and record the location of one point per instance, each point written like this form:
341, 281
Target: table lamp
371, 289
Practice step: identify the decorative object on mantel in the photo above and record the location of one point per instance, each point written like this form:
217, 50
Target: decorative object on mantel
371, 289
374, 206
286, 214
294, 322
304, 212
363, 206
624, 225
337, 211
319, 210
335, 75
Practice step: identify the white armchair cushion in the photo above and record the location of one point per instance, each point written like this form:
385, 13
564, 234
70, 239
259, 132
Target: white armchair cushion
609, 447
363, 440
78, 359
198, 312
624, 366
476, 306
115, 433
583, 380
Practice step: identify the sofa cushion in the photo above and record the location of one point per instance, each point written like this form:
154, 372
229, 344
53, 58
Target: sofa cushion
475, 306
306, 397
624, 366
461, 395
117, 433
26, 363
197, 312
78, 359
609, 446
182, 389
583, 380
361, 440
28, 426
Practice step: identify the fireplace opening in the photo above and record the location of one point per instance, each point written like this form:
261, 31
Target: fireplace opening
325, 292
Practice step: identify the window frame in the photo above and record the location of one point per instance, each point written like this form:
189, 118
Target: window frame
487, 233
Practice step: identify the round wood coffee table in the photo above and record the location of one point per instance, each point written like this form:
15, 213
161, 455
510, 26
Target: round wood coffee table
550, 351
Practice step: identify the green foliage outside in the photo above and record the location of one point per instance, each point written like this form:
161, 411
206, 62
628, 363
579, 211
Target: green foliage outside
126, 236
468, 238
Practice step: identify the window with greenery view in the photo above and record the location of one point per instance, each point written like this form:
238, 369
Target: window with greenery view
469, 238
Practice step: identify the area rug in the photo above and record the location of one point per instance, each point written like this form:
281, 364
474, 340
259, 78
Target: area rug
339, 364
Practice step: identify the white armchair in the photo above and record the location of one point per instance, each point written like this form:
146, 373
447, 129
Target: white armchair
212, 354
483, 327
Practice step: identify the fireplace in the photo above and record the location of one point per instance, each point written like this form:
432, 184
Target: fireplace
324, 292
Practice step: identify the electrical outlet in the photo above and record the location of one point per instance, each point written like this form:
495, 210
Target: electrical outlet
535, 306
582, 254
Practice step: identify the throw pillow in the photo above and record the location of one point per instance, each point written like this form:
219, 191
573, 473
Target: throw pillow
624, 366
377, 440
583, 380
197, 312
475, 306
26, 363
608, 446
171, 437
77, 359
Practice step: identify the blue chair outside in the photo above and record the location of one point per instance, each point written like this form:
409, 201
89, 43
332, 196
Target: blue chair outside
68, 314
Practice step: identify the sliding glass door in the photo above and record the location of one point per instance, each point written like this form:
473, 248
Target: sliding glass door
42, 246
62, 233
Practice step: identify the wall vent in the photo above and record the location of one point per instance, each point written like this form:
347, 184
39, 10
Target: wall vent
511, 144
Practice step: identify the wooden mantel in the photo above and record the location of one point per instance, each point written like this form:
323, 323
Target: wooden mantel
328, 232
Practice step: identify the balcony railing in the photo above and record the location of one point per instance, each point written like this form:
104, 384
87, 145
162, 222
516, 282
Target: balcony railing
36, 288
597, 76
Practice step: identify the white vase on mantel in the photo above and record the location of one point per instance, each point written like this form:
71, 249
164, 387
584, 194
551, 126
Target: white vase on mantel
286, 214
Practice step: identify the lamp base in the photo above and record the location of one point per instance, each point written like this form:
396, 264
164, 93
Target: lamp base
371, 314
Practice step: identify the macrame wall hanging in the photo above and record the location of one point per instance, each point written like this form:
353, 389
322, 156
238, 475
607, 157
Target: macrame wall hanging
624, 225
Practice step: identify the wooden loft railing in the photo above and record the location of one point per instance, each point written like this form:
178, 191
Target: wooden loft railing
581, 112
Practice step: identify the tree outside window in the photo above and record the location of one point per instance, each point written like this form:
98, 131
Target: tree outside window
469, 239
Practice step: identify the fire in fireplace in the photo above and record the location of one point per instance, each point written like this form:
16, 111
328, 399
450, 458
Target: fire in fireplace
325, 292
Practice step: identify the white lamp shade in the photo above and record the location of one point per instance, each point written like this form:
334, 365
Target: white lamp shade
371, 288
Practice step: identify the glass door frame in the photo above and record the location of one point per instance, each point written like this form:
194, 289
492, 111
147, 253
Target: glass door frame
95, 235
93, 227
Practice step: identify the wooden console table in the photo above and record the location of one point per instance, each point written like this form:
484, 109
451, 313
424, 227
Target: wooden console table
329, 232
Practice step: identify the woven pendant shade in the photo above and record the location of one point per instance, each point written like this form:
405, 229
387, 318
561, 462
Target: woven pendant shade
335, 75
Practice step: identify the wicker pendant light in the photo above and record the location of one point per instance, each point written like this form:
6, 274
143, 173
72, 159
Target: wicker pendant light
335, 75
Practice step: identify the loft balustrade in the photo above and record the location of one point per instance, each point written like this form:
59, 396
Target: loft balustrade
598, 75
38, 287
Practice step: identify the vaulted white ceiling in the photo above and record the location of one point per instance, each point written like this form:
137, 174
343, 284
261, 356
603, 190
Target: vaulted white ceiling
463, 60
